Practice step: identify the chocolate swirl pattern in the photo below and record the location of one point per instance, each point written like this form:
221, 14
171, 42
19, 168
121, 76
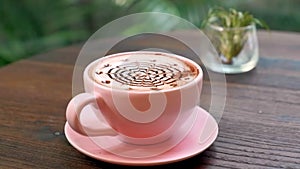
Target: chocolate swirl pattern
145, 73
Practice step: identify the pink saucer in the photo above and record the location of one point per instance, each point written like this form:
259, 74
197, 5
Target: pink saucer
201, 136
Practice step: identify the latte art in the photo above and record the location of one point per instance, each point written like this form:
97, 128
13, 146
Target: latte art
146, 71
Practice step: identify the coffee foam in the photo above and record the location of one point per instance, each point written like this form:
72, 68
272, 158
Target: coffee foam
143, 71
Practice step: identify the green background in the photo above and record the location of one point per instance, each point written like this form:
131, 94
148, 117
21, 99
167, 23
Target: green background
29, 27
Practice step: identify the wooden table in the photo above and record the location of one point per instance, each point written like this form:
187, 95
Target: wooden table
260, 127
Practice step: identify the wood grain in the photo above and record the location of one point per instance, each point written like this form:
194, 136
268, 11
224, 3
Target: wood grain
260, 127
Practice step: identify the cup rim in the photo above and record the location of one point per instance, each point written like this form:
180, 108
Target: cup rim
198, 78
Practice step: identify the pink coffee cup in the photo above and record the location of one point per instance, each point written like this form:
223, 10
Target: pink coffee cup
138, 117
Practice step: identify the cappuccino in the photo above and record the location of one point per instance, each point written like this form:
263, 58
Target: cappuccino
144, 71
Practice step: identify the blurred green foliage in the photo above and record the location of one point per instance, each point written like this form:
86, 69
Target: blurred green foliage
28, 27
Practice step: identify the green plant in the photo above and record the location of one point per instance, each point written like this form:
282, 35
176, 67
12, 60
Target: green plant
227, 30
28, 27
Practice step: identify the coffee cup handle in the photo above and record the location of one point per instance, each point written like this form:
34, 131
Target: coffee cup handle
74, 110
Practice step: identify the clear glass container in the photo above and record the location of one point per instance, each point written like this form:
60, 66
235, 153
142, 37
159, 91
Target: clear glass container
236, 49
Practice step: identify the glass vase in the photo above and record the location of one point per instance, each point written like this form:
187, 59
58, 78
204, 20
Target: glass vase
236, 49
